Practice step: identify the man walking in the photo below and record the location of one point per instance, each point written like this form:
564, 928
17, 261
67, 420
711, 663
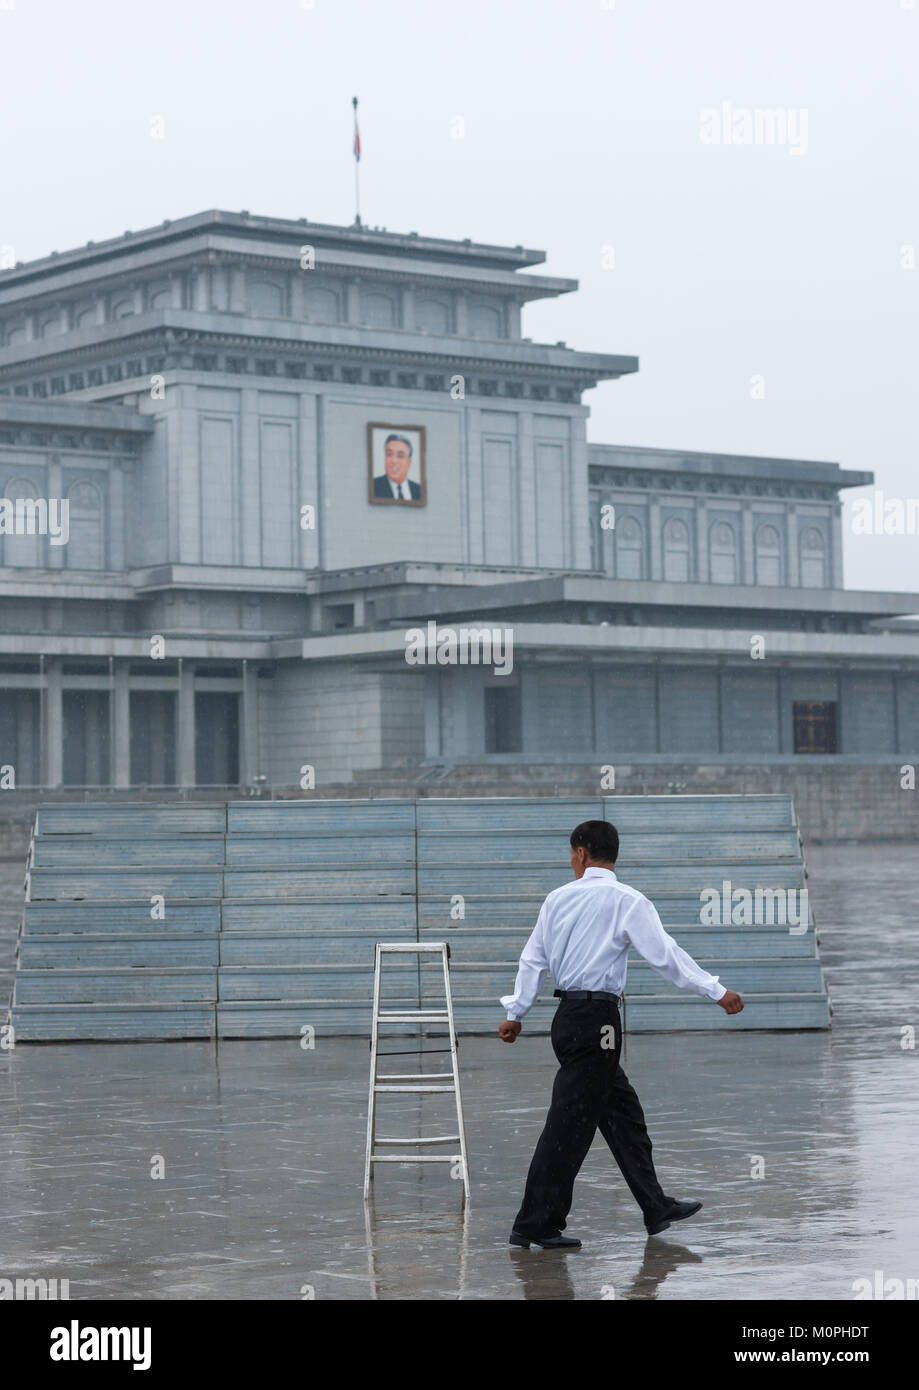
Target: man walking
582, 935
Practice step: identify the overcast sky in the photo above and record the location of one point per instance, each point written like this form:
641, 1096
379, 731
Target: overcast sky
581, 130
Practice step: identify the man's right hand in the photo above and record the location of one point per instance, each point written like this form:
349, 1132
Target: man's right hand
509, 1029
730, 1002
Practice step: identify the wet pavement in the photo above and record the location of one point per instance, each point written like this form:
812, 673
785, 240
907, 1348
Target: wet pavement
261, 1149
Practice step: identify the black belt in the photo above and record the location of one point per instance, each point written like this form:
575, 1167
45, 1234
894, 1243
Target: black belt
585, 994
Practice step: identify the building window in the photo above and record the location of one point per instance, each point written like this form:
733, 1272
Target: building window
323, 372
676, 551
378, 310
267, 298
237, 364
629, 543
539, 393
723, 553
265, 366
485, 321
434, 383
767, 549
503, 722
351, 375
321, 305
86, 548
432, 315
406, 381
813, 559
815, 726
379, 378
488, 388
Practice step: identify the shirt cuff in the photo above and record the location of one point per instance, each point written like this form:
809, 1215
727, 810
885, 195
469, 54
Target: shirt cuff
716, 991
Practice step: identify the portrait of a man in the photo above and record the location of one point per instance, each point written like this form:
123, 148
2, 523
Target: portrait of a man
396, 467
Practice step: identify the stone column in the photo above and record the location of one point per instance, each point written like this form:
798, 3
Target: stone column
353, 301
237, 290
702, 524
121, 740
791, 546
527, 491
462, 318
298, 294
54, 554
407, 311
201, 298
249, 552
745, 568
185, 733
654, 537
54, 723
836, 576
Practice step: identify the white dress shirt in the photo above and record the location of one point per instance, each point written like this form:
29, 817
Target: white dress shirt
583, 934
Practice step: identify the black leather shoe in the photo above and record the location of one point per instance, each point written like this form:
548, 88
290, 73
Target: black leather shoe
676, 1211
544, 1242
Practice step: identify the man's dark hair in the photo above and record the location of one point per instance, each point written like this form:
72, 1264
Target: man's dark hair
599, 838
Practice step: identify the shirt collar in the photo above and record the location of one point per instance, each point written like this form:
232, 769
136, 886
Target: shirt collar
594, 871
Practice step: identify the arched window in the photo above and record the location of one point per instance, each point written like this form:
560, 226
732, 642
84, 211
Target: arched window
767, 550
813, 559
378, 310
485, 321
322, 305
123, 308
266, 297
85, 317
26, 547
85, 550
676, 550
433, 315
160, 298
629, 541
50, 326
16, 333
722, 550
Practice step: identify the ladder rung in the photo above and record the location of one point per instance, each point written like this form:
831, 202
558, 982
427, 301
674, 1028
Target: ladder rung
419, 1076
414, 1016
415, 1090
411, 946
416, 1158
434, 1139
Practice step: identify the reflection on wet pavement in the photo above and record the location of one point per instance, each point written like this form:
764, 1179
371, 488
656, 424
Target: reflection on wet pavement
261, 1148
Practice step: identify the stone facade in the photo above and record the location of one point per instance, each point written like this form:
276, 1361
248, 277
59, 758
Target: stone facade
210, 400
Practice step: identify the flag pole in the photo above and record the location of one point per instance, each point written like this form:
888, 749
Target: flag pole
357, 167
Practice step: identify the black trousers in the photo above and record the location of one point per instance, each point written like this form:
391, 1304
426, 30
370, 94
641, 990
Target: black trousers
591, 1091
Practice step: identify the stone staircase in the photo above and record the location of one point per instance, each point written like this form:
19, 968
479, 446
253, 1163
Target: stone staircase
257, 919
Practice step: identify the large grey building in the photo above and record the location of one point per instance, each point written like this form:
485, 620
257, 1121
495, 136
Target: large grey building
286, 445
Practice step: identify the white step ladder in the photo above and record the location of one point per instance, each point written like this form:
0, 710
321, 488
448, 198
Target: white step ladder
414, 1083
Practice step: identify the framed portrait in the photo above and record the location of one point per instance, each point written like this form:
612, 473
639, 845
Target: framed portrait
396, 465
